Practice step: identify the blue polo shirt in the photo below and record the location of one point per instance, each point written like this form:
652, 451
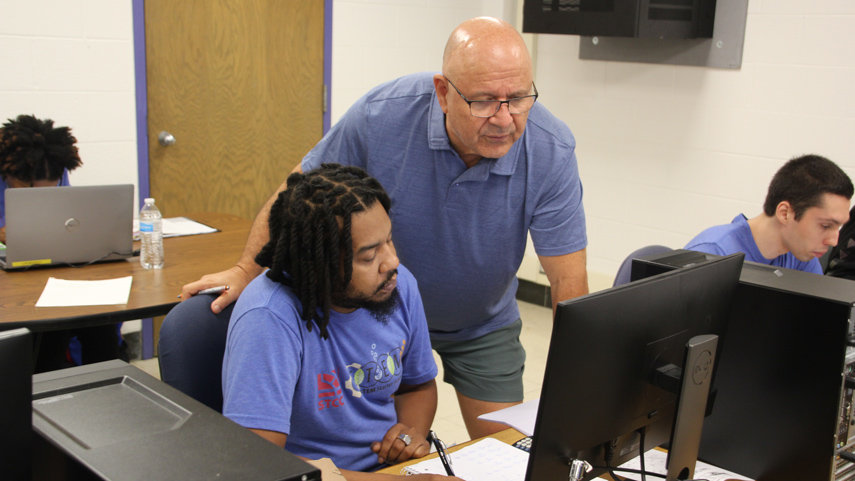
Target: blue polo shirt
63, 182
462, 232
736, 237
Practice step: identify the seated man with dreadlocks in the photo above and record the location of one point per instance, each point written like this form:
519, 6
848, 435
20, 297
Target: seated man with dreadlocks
328, 355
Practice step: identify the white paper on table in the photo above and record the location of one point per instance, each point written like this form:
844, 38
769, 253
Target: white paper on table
655, 462
66, 293
177, 227
486, 460
520, 417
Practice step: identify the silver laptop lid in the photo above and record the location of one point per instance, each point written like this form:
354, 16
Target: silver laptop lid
68, 225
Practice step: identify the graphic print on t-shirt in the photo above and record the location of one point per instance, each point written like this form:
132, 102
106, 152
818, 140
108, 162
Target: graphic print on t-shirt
380, 373
329, 391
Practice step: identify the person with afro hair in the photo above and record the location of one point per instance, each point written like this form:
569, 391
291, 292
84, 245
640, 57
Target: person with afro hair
34, 153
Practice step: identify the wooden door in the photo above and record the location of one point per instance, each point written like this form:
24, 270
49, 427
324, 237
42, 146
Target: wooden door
239, 84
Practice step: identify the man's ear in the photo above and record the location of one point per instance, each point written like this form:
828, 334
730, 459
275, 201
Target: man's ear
784, 212
440, 84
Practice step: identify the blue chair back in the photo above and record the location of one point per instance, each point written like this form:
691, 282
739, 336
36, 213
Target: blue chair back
625, 271
191, 347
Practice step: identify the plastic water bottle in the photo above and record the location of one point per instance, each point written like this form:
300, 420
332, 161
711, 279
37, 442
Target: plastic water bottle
151, 234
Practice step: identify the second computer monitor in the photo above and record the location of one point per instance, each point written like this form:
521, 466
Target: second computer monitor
598, 388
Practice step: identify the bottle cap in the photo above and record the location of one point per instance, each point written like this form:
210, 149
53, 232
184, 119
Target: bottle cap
149, 200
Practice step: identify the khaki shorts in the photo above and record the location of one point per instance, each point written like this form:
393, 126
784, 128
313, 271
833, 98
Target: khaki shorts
488, 368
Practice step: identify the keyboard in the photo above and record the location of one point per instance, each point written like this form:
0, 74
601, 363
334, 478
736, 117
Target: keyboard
524, 444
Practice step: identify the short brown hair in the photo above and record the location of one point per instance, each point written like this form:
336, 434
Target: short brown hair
803, 181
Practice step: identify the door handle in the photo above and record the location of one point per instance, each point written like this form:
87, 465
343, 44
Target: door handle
165, 138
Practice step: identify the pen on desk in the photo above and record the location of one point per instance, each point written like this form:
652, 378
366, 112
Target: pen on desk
443, 455
212, 290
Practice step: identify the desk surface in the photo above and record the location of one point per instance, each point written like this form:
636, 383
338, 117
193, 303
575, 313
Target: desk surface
153, 292
509, 436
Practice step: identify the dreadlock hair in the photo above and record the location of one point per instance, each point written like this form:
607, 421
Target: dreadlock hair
310, 240
32, 149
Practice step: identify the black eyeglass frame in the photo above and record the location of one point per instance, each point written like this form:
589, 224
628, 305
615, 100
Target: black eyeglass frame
500, 102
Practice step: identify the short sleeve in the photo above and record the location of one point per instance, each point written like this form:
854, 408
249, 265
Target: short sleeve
260, 369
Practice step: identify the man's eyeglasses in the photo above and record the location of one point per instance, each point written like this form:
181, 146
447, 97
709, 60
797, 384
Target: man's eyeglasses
489, 108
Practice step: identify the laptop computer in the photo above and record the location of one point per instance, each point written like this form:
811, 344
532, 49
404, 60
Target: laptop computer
68, 225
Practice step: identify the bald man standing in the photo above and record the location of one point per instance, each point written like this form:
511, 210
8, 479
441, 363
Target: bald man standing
472, 164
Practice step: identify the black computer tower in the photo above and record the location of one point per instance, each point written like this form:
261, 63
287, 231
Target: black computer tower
112, 421
16, 371
777, 412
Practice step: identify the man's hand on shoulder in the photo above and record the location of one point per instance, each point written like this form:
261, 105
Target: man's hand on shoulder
393, 450
236, 277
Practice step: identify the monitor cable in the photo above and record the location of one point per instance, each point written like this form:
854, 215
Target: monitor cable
846, 455
123, 254
641, 452
608, 455
609, 452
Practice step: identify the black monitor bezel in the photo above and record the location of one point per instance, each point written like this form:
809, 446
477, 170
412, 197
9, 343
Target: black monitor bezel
575, 414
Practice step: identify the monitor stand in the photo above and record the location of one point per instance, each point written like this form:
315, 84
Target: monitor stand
694, 388
691, 407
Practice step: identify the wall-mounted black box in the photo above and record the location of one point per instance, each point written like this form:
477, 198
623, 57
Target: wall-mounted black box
666, 19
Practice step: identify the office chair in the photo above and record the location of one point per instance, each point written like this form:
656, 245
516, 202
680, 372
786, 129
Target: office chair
625, 270
191, 347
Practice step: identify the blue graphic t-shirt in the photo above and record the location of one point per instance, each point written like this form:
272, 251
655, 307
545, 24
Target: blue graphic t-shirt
333, 397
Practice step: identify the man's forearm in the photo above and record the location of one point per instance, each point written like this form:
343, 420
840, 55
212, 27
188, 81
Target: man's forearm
416, 406
567, 274
568, 289
259, 233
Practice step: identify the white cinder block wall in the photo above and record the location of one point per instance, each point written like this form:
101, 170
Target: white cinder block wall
664, 151
73, 61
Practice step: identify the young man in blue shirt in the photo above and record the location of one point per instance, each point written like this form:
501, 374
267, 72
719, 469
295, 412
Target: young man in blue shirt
328, 354
807, 203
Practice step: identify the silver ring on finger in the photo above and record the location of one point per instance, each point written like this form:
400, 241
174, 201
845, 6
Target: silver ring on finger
405, 438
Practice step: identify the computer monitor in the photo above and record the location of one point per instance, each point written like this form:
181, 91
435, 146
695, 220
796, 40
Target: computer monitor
782, 409
599, 391
16, 385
